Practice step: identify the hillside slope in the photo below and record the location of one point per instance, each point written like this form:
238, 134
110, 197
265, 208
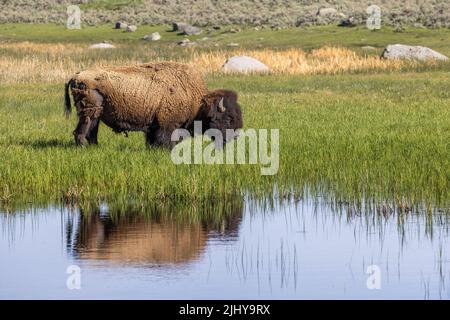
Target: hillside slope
429, 13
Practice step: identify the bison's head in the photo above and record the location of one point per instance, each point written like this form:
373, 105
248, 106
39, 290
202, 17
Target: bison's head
222, 112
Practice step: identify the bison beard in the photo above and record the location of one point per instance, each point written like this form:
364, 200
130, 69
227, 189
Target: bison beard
156, 98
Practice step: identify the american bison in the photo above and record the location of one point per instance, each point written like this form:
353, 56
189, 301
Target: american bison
155, 98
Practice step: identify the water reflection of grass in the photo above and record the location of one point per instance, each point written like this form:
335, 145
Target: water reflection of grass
347, 137
267, 244
279, 259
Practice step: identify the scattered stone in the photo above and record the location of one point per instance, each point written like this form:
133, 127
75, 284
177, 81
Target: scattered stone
234, 30
368, 48
192, 31
186, 42
244, 64
178, 26
349, 23
204, 39
102, 46
121, 25
401, 51
131, 28
233, 44
187, 29
155, 36
217, 27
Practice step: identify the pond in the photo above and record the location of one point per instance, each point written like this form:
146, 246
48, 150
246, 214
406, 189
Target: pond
302, 249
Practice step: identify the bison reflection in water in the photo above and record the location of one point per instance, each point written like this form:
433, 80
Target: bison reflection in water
143, 239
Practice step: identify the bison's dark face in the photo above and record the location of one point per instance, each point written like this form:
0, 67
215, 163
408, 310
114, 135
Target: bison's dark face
223, 113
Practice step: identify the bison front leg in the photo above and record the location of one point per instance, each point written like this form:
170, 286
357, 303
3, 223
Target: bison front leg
161, 137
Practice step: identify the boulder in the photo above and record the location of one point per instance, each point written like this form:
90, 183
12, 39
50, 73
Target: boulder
155, 36
185, 43
401, 51
187, 29
121, 25
178, 26
191, 31
131, 28
101, 46
233, 44
244, 64
349, 23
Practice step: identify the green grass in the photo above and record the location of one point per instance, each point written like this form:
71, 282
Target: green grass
305, 38
347, 137
351, 137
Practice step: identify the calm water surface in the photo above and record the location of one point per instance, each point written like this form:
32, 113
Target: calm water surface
301, 250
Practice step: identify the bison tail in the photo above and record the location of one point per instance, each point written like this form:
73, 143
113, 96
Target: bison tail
67, 103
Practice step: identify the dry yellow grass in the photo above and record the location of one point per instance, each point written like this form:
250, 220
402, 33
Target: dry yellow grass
327, 60
49, 63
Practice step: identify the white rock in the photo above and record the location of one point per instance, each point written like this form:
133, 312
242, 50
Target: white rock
121, 25
244, 64
186, 42
401, 51
155, 36
186, 29
233, 44
131, 28
101, 46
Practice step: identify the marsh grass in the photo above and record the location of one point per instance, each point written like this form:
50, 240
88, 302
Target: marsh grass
346, 137
354, 129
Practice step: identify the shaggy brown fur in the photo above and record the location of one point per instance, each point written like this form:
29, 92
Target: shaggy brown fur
156, 98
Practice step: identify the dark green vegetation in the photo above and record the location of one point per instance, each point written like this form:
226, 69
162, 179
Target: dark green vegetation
290, 13
348, 137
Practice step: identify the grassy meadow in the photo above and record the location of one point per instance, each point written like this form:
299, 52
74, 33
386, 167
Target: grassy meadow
353, 128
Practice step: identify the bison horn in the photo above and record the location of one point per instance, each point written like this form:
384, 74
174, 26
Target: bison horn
221, 107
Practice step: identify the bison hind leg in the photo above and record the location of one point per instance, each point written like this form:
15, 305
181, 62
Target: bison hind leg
93, 132
89, 108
